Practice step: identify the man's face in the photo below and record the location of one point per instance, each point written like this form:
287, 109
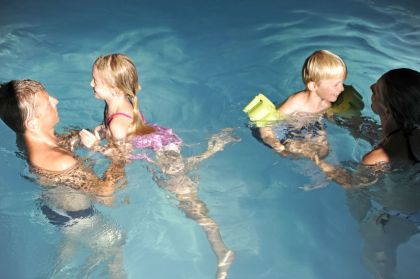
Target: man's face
46, 110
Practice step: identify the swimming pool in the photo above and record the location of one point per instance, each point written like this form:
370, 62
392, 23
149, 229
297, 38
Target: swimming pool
200, 63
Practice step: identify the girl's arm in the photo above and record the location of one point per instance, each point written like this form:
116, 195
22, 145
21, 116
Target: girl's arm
115, 148
89, 139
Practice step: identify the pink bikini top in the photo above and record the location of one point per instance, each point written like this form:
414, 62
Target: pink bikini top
112, 116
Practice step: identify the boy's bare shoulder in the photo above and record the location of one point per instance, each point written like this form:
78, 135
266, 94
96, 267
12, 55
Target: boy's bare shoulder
293, 103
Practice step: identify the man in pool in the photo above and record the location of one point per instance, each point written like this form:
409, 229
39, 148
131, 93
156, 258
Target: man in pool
28, 109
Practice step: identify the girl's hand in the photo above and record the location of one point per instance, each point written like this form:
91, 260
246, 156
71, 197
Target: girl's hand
88, 139
100, 131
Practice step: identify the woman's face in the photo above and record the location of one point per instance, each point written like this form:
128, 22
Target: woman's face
378, 101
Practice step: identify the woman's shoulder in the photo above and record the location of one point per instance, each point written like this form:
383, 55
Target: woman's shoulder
376, 156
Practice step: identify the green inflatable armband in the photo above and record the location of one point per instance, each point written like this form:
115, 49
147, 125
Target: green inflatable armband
348, 104
261, 111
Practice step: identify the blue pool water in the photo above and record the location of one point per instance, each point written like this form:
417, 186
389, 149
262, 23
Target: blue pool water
200, 63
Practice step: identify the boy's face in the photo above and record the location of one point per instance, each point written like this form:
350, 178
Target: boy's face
330, 89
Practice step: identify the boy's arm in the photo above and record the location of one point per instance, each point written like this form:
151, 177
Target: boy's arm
268, 136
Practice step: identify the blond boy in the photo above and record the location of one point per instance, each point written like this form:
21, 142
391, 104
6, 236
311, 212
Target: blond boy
323, 74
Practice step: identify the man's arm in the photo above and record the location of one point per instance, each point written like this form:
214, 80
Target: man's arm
66, 170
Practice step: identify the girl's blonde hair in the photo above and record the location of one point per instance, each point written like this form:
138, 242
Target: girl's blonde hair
119, 72
323, 64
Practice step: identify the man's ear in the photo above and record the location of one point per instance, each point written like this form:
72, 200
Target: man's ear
31, 124
312, 86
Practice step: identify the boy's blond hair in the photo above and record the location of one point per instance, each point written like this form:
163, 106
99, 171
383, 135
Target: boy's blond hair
18, 103
323, 64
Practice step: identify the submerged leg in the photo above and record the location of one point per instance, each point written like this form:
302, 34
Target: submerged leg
66, 252
196, 210
216, 143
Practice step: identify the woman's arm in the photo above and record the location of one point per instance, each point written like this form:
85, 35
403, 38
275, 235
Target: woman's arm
364, 175
360, 127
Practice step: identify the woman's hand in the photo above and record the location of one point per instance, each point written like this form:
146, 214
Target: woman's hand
339, 175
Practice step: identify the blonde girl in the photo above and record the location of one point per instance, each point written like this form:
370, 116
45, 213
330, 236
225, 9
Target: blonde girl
115, 80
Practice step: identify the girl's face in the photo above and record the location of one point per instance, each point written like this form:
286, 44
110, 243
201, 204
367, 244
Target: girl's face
330, 89
100, 89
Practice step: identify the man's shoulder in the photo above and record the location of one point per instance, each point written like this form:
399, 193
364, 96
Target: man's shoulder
57, 160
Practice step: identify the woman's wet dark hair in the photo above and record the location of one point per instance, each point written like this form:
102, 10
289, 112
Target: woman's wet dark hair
401, 92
